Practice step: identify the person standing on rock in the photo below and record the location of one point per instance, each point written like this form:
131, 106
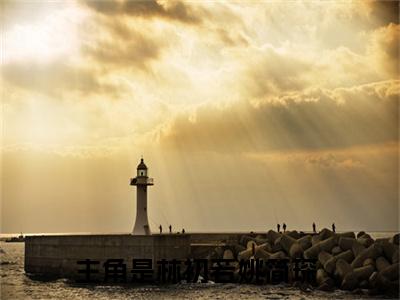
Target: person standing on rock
170, 229
314, 228
279, 227
160, 228
333, 227
284, 227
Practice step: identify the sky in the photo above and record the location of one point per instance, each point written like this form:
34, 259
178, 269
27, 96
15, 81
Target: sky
247, 113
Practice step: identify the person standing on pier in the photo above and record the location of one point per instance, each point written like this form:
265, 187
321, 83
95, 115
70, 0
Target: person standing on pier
333, 227
279, 227
284, 227
183, 230
170, 229
160, 228
314, 228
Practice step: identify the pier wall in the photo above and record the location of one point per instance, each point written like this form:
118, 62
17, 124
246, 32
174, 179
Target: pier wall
58, 255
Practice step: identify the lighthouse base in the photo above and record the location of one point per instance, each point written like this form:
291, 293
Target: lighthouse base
141, 230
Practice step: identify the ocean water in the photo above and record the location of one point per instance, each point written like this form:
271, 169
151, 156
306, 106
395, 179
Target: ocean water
15, 284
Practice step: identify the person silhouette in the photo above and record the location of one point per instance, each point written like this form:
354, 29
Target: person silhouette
279, 227
333, 227
160, 228
314, 228
284, 227
183, 230
170, 229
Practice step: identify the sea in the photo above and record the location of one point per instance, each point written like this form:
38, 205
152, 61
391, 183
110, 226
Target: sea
14, 284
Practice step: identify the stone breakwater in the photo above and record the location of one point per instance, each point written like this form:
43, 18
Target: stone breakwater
344, 260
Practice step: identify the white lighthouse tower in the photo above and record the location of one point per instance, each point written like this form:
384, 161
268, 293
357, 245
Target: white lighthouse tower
141, 181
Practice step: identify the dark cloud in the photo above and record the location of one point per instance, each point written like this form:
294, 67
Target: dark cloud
320, 119
177, 11
385, 11
128, 47
56, 78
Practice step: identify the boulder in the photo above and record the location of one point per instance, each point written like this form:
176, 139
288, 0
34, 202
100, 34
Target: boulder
305, 242
336, 250
346, 255
342, 269
328, 244
381, 263
324, 280
372, 251
272, 236
296, 251
363, 273
357, 248
346, 243
325, 233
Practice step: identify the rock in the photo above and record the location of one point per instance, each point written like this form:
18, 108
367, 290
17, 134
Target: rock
381, 263
323, 278
360, 234
260, 240
346, 243
369, 262
245, 239
276, 248
348, 256
251, 244
336, 250
364, 284
357, 248
342, 269
312, 252
287, 242
363, 273
372, 279
293, 233
315, 240
388, 279
272, 236
324, 256
278, 241
328, 244
391, 272
328, 261
325, 233
245, 254
296, 251
278, 255
266, 247
349, 282
261, 253
365, 240
372, 251
395, 239
237, 248
395, 257
305, 242
389, 250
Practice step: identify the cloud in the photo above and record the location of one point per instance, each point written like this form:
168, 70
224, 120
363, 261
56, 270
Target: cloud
384, 48
172, 10
56, 78
313, 119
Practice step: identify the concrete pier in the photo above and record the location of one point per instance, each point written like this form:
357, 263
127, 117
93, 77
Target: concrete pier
58, 255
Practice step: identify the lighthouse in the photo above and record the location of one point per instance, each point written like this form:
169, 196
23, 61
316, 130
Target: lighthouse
141, 181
